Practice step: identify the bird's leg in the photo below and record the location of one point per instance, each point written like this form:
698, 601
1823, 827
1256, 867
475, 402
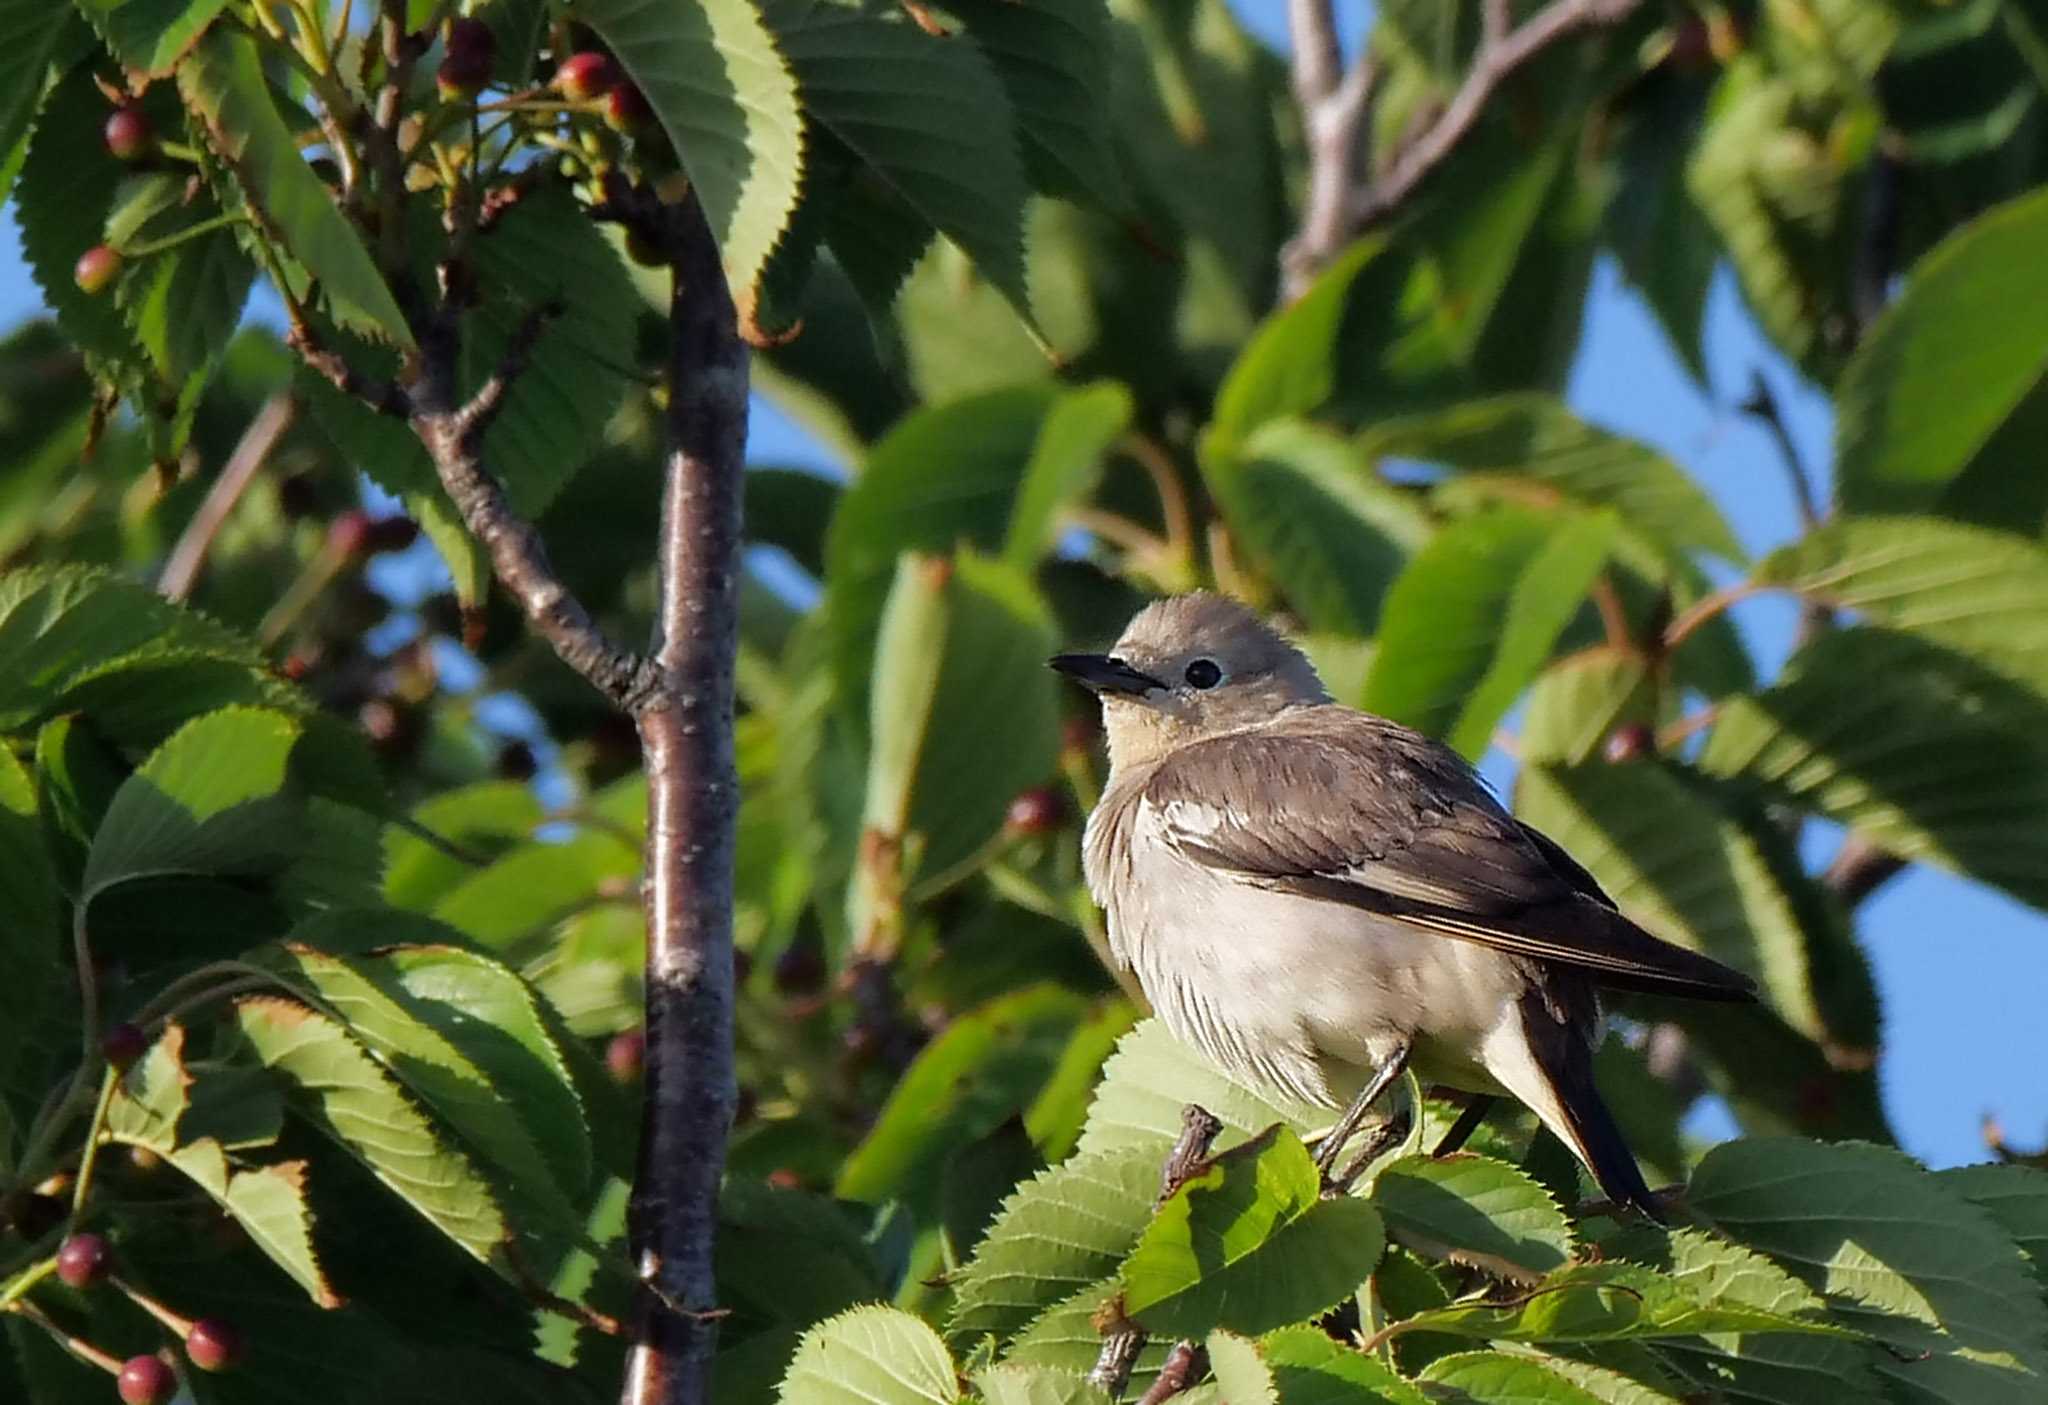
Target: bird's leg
1467, 1123
1347, 1125
1382, 1137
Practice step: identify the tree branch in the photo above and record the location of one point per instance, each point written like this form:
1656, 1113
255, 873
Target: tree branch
519, 560
1496, 60
1333, 106
1184, 1366
1121, 1344
686, 737
252, 451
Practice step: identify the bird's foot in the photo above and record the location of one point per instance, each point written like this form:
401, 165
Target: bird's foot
1376, 1143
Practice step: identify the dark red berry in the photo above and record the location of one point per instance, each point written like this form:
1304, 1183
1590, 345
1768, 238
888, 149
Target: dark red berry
516, 762
213, 1345
1630, 741
123, 1044
1692, 46
470, 38
644, 251
627, 110
392, 534
585, 76
296, 666
800, 970
82, 1260
96, 268
146, 1380
129, 134
785, 1178
349, 534
298, 495
1039, 810
626, 1055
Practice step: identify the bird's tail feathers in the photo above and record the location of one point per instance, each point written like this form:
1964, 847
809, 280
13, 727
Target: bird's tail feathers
1549, 1066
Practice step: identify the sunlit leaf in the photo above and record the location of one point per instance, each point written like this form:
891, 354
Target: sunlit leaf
871, 1356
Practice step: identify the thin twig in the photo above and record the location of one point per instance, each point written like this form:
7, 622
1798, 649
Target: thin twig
181, 570
1121, 1344
1333, 106
1185, 1365
385, 397
1703, 610
518, 557
1613, 614
475, 419
1174, 514
1491, 66
686, 739
1762, 403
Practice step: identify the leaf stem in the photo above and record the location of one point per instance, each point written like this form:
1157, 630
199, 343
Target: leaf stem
110, 1079
185, 235
1704, 609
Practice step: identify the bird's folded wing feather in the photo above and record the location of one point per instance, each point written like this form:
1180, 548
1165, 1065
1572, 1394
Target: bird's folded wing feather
1346, 807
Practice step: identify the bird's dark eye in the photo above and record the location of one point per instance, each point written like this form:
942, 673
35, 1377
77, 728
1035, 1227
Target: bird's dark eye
1203, 673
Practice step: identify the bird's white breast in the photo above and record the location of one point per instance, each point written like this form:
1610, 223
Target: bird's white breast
1304, 994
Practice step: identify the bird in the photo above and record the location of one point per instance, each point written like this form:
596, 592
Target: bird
1317, 898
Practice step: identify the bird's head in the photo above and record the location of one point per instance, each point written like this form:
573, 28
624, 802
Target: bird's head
1189, 667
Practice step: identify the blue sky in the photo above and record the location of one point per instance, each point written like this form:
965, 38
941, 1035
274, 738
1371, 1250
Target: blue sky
1960, 968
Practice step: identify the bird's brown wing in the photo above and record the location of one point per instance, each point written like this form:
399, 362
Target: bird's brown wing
1339, 805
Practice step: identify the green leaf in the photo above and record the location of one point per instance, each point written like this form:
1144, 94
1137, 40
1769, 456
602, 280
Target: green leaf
1665, 243
728, 101
2015, 1196
1248, 1243
982, 1070
1311, 1369
1606, 1302
1769, 1366
944, 476
28, 921
1923, 1267
1062, 1230
1239, 1369
485, 818
1944, 396
1306, 509
1966, 588
1535, 439
954, 636
1475, 613
347, 1094
925, 117
1152, 1076
211, 800
1067, 458
535, 885
1288, 367
1066, 1338
495, 1018
33, 35
1037, 1385
1580, 700
1473, 1210
1494, 1378
1053, 58
1681, 862
1920, 750
870, 1356
791, 508
1055, 1120
60, 203
149, 37
415, 1042
223, 82
182, 303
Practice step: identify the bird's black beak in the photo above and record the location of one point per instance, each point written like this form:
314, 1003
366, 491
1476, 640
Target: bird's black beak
1102, 673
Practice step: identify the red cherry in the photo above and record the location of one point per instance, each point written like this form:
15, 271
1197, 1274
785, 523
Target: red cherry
213, 1345
470, 38
82, 1260
97, 267
627, 109
129, 134
1039, 810
122, 1045
392, 534
349, 534
626, 1055
146, 1380
585, 76
1630, 741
